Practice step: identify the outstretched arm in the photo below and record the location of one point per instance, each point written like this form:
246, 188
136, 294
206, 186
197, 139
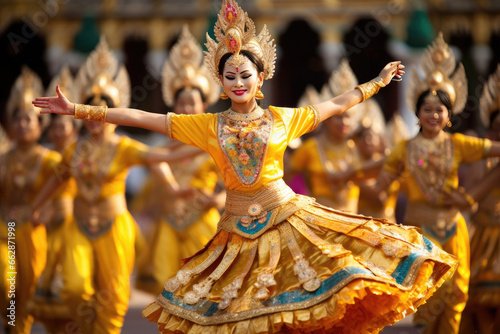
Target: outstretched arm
121, 116
341, 103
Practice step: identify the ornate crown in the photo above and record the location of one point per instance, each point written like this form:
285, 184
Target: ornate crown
490, 98
101, 75
235, 31
184, 69
441, 72
366, 114
26, 88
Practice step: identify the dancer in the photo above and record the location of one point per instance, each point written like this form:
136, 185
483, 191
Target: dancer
279, 261
46, 305
186, 220
482, 313
330, 159
23, 171
99, 253
427, 165
373, 150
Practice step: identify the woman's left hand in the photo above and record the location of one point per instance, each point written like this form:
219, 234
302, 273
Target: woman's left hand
391, 70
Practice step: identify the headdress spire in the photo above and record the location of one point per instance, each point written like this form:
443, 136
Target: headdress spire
101, 75
184, 68
441, 72
234, 32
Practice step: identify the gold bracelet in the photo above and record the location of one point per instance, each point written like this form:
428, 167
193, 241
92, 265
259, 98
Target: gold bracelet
91, 113
370, 88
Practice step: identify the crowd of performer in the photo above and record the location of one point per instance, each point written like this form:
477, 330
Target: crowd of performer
77, 243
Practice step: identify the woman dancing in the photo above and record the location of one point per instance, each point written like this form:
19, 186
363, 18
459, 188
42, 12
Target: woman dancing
279, 261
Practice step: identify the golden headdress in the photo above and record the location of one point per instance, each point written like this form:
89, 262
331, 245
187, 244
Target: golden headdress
235, 31
490, 98
441, 72
184, 69
26, 88
367, 113
66, 84
101, 75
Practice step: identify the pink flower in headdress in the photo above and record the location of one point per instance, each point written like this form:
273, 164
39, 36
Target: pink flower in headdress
230, 12
233, 45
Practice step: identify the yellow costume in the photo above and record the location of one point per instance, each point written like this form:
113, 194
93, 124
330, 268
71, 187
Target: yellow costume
280, 260
21, 241
23, 171
47, 305
369, 208
182, 226
485, 253
319, 157
428, 167
99, 259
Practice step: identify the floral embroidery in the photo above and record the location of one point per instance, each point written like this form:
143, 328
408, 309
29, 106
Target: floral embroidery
244, 140
430, 161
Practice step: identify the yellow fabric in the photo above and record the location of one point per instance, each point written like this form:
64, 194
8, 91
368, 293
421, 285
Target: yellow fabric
30, 243
316, 269
201, 131
465, 149
96, 275
452, 297
350, 310
484, 296
129, 152
168, 244
96, 272
306, 159
485, 252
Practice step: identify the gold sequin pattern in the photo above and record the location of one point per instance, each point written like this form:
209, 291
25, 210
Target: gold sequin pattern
91, 113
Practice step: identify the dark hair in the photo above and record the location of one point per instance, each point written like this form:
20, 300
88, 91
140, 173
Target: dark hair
178, 92
442, 96
108, 100
250, 55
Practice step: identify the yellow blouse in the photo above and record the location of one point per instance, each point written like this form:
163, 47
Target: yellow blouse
428, 168
126, 153
318, 160
21, 183
264, 148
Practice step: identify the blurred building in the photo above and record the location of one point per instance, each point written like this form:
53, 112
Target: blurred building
45, 34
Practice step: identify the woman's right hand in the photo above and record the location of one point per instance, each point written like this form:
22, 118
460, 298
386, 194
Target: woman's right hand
391, 70
56, 105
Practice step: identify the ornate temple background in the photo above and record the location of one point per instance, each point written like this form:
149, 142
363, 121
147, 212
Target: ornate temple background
312, 36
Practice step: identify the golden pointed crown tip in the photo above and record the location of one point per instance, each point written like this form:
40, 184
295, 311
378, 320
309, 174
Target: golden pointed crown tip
235, 31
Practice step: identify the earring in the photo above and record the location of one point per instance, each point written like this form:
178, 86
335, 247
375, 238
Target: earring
449, 124
418, 123
224, 96
259, 95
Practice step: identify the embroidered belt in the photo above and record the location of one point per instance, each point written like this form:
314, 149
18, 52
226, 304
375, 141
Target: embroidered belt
441, 222
95, 219
267, 198
250, 215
